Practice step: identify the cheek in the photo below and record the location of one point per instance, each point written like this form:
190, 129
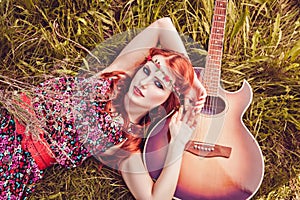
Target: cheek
135, 80
158, 97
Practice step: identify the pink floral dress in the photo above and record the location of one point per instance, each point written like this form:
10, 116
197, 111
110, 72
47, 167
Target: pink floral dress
75, 123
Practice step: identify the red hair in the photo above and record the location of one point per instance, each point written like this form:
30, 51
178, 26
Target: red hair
183, 71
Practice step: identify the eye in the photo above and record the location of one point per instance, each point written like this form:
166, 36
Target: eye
146, 70
158, 84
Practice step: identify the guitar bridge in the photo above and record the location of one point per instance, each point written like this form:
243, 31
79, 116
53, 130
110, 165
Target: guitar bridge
207, 150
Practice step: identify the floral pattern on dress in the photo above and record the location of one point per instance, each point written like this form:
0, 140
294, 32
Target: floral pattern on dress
72, 113
18, 171
75, 117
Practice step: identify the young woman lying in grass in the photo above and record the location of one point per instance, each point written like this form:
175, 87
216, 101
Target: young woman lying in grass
105, 116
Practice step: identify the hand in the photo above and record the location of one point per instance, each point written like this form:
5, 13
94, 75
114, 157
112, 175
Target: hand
196, 97
182, 126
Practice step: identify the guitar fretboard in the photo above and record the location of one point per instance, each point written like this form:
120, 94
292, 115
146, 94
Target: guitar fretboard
212, 73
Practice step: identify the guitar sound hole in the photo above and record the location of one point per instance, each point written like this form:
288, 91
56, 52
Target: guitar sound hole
213, 105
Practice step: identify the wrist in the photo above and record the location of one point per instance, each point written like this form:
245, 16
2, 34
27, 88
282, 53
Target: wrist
177, 145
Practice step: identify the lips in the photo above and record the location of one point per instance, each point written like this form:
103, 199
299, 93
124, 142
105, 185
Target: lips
137, 91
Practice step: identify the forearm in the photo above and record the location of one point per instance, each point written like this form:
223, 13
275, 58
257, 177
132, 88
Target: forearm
165, 186
169, 38
180, 132
160, 32
139, 181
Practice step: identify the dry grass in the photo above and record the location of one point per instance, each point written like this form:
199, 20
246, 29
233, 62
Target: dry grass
262, 45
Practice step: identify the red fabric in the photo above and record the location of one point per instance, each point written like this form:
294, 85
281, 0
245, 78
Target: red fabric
37, 147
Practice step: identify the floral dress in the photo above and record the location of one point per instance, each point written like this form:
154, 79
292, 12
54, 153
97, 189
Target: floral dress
72, 114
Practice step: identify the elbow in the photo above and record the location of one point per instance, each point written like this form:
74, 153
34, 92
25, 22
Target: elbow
165, 22
155, 196
151, 197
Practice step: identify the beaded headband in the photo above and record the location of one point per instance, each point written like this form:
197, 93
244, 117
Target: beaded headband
165, 76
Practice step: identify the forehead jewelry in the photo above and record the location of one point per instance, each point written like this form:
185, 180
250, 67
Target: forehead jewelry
165, 76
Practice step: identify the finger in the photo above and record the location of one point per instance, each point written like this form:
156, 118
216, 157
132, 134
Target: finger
180, 114
197, 110
202, 94
187, 103
203, 90
199, 106
201, 97
174, 117
200, 101
187, 116
194, 125
192, 119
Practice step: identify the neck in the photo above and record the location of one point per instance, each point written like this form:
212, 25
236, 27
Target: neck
135, 113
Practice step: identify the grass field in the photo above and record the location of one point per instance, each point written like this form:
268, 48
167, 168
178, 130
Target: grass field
42, 39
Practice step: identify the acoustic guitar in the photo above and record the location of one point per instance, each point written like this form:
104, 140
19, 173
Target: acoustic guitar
222, 160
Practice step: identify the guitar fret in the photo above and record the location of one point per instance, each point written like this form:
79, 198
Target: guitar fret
212, 52
211, 81
217, 30
215, 62
213, 86
213, 73
221, 4
217, 36
216, 47
216, 42
212, 92
219, 24
214, 57
220, 11
220, 18
213, 66
210, 78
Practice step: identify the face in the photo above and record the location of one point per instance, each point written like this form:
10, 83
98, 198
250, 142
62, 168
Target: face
151, 86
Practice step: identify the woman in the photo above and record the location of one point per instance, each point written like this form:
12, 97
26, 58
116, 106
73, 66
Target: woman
105, 116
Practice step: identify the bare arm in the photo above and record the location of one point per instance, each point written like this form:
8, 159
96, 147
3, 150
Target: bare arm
138, 179
160, 32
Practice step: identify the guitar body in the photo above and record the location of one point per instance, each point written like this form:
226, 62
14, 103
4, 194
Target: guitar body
236, 177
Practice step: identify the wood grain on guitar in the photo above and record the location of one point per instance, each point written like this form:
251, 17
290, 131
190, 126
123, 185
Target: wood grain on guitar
223, 160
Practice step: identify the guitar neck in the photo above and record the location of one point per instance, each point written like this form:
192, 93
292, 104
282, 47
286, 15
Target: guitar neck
212, 73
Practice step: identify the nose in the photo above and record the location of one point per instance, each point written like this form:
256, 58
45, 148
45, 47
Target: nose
146, 81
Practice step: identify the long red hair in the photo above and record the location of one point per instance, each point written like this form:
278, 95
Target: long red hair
183, 71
